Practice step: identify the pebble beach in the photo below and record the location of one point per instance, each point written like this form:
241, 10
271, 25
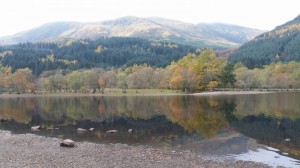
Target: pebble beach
29, 150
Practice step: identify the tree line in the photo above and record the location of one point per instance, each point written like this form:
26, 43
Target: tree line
85, 54
192, 73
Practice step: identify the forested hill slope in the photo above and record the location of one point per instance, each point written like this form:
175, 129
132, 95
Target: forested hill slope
104, 52
281, 44
155, 29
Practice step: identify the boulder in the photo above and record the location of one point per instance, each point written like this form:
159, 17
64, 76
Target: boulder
130, 130
112, 131
36, 128
67, 143
81, 130
92, 129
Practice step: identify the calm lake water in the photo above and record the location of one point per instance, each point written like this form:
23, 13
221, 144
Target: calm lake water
262, 127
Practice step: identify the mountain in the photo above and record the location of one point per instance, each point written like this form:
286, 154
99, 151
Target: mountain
281, 44
153, 28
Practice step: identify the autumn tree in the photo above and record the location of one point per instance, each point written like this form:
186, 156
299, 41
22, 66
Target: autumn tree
161, 78
110, 78
2, 81
122, 81
209, 67
134, 81
146, 77
91, 79
23, 80
212, 85
5, 73
56, 81
248, 79
176, 76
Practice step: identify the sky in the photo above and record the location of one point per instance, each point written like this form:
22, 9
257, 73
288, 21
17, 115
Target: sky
20, 15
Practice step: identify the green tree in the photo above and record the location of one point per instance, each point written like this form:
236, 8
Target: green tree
75, 80
227, 76
122, 81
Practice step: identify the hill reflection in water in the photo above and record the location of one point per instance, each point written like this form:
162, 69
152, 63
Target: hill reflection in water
219, 125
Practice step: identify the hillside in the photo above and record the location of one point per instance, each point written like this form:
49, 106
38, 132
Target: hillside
103, 52
280, 44
158, 29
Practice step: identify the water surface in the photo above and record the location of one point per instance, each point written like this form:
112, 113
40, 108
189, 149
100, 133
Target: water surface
260, 127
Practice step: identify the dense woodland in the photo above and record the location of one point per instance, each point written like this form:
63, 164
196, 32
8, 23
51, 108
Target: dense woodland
279, 45
86, 54
263, 52
192, 73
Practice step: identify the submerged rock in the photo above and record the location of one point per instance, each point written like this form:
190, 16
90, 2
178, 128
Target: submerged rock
111, 131
50, 128
3, 120
67, 143
81, 130
36, 128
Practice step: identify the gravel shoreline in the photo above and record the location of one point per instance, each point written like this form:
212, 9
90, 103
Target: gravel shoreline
232, 93
29, 150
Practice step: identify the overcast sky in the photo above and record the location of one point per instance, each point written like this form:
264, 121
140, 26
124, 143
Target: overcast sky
20, 15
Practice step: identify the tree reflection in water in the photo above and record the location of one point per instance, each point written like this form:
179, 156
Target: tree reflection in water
268, 118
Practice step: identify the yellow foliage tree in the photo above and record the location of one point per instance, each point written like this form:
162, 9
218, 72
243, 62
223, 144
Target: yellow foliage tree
212, 85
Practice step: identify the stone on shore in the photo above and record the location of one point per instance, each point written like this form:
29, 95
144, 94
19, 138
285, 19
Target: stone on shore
112, 131
67, 143
81, 130
36, 128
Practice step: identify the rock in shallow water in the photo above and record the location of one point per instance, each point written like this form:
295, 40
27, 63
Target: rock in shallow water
3, 120
67, 143
50, 128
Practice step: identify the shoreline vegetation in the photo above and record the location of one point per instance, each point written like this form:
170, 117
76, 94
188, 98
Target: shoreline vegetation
29, 150
192, 73
147, 92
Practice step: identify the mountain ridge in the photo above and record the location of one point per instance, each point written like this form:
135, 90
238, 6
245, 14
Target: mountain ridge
278, 45
151, 28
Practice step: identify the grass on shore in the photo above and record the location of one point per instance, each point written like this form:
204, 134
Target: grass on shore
116, 92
